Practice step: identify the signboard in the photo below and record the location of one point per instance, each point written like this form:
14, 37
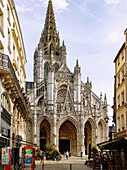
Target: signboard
6, 156
3, 156
28, 155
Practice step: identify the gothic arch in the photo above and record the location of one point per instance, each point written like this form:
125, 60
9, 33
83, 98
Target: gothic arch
89, 133
40, 100
101, 130
46, 123
68, 131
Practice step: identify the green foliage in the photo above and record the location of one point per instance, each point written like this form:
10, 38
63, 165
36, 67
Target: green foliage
94, 149
38, 154
50, 153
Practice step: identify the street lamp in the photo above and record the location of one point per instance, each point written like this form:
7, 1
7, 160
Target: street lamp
106, 119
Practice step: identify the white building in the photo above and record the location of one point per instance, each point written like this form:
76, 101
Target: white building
66, 113
13, 108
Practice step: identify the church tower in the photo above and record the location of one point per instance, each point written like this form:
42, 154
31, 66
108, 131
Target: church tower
49, 44
65, 112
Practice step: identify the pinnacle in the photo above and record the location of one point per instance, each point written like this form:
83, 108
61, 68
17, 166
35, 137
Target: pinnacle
77, 63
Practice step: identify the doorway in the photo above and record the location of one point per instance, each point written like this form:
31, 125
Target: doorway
64, 145
43, 144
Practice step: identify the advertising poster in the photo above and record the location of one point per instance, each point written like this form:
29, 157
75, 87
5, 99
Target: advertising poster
3, 156
28, 154
6, 156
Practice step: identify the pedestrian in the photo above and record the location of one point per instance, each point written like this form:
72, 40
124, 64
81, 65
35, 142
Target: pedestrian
67, 153
70, 154
42, 156
57, 157
81, 155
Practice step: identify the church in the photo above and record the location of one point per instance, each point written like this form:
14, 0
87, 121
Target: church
65, 112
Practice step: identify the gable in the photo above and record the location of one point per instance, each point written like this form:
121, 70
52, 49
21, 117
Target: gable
63, 68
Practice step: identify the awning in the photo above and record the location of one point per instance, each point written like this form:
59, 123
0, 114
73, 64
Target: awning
114, 144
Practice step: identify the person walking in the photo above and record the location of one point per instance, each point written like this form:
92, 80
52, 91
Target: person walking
81, 155
42, 156
67, 153
57, 157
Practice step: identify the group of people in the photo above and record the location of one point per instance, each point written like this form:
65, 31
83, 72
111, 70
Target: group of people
67, 154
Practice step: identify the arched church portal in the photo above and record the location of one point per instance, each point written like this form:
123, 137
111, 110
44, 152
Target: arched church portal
44, 134
88, 137
68, 138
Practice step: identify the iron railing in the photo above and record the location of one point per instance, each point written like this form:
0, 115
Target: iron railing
5, 62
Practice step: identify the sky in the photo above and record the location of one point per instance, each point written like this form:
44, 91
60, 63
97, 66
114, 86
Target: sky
93, 32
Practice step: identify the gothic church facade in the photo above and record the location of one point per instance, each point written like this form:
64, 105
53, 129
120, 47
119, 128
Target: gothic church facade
65, 112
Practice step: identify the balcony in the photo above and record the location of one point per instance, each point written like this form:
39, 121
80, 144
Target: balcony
10, 82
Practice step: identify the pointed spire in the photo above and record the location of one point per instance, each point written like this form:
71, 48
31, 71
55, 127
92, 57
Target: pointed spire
77, 63
63, 44
50, 37
87, 79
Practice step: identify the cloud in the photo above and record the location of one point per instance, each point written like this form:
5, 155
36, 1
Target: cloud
113, 37
22, 8
57, 4
112, 1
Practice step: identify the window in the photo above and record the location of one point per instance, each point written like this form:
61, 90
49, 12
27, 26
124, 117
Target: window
122, 122
122, 97
46, 69
13, 51
118, 101
61, 95
122, 75
9, 41
1, 23
8, 15
56, 67
118, 80
118, 124
5, 102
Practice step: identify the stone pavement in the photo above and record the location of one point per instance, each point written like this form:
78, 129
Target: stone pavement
77, 164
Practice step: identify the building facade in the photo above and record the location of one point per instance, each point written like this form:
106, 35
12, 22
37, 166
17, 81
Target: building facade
13, 107
66, 113
120, 90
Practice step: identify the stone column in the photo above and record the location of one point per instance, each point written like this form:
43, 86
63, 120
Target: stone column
82, 138
82, 127
54, 132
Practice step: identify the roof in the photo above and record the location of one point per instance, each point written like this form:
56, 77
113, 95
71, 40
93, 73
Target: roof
119, 52
112, 144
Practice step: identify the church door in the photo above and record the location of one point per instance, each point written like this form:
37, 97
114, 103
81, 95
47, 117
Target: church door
68, 138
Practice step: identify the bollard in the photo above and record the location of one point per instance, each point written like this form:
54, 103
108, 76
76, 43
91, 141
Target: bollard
42, 166
70, 166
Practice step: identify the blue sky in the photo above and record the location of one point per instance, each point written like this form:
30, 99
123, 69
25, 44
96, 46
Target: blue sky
93, 31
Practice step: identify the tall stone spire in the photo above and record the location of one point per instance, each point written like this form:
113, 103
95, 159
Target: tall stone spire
50, 37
